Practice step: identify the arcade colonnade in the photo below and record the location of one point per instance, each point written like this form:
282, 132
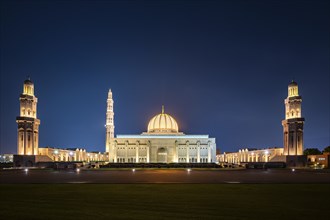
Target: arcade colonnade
250, 155
71, 154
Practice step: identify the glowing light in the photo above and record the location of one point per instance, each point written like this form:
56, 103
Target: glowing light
189, 170
133, 170
56, 151
163, 123
293, 170
26, 170
78, 170
266, 152
71, 153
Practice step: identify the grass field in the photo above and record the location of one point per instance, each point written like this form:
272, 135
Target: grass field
164, 201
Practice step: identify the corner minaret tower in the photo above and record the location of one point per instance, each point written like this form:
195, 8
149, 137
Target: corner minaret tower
110, 127
28, 123
293, 125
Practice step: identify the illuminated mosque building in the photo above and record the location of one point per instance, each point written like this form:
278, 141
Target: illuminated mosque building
162, 143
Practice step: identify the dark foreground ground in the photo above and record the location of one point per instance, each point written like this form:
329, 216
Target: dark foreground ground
166, 176
164, 201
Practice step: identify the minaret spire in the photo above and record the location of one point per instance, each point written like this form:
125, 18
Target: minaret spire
162, 109
293, 124
27, 121
110, 126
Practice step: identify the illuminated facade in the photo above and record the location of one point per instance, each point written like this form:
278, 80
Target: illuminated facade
71, 154
28, 123
162, 143
293, 125
251, 155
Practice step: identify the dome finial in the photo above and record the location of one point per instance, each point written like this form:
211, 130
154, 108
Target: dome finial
162, 109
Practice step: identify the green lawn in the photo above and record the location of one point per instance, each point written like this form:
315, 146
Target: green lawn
164, 201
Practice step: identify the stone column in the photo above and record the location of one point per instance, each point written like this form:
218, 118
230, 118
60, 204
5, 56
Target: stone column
137, 152
198, 152
148, 157
32, 141
148, 149
115, 149
187, 149
176, 152
25, 141
295, 141
209, 153
126, 151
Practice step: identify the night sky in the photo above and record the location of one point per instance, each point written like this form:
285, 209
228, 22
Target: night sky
219, 67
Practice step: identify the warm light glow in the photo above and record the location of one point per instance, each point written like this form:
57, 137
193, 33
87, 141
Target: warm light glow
28, 90
293, 91
163, 123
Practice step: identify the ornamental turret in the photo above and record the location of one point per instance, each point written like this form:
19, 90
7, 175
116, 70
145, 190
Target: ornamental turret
28, 123
293, 125
110, 125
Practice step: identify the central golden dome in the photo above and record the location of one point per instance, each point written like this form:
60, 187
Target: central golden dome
163, 123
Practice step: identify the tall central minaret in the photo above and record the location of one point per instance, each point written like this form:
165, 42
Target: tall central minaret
293, 125
27, 121
110, 127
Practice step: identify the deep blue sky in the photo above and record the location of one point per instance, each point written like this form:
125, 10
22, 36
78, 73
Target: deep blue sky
219, 67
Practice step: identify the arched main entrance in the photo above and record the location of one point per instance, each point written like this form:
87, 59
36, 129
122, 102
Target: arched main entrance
162, 155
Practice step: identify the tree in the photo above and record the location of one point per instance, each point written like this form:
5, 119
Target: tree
312, 151
326, 149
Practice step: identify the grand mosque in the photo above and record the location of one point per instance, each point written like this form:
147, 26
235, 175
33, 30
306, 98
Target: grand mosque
161, 143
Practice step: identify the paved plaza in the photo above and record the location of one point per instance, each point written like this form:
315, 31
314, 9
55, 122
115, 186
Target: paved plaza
165, 176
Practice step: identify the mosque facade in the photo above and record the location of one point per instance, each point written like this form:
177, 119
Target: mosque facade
161, 143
